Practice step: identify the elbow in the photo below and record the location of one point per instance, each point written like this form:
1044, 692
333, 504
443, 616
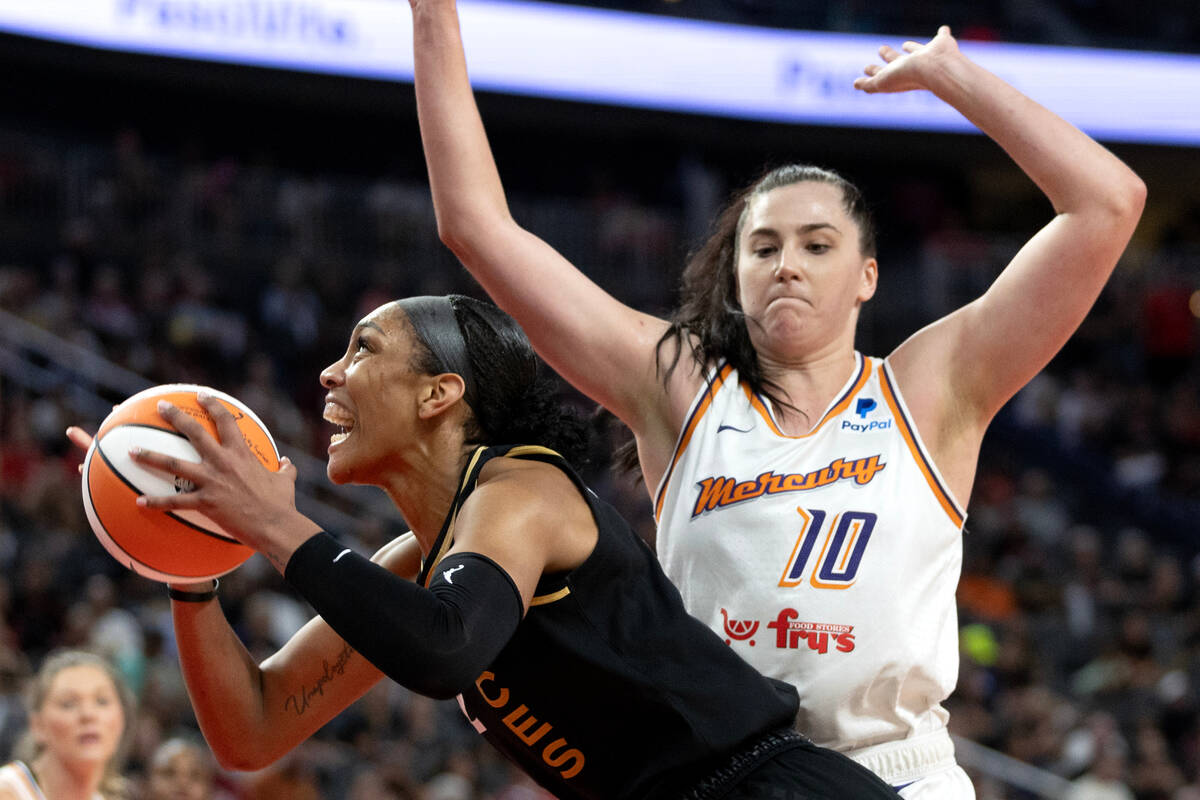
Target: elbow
244, 755
1137, 194
472, 233
1128, 199
453, 234
241, 760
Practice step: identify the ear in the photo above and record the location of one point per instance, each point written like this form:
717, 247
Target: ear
441, 393
870, 279
36, 731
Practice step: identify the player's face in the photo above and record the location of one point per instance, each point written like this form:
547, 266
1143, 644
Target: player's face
801, 275
81, 719
373, 398
181, 775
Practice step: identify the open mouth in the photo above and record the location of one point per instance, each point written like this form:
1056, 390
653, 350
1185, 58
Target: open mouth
340, 417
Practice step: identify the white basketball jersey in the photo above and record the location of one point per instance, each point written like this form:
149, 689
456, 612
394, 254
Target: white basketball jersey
16, 778
828, 560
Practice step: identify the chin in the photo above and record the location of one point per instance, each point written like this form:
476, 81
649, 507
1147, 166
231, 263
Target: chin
335, 474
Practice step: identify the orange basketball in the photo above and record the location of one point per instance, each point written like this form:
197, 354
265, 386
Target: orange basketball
167, 546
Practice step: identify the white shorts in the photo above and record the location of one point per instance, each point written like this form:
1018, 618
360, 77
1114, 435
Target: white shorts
948, 784
921, 767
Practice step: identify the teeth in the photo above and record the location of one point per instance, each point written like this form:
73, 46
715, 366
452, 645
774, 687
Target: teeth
338, 416
337, 437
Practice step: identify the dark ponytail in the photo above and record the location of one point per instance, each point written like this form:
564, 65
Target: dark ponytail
514, 399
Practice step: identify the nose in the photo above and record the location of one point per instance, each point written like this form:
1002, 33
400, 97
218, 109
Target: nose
787, 264
333, 375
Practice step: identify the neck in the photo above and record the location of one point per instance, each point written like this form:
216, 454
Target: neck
424, 489
809, 385
62, 782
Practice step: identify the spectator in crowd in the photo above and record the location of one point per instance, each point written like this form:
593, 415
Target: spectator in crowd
79, 713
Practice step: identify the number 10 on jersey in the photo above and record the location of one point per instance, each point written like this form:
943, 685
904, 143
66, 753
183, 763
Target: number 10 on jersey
842, 544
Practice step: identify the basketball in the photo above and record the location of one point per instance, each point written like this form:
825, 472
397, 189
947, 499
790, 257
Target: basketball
168, 546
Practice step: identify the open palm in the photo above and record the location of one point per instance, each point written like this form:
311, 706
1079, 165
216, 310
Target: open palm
907, 69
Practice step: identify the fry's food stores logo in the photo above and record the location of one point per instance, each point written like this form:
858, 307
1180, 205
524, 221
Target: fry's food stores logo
790, 632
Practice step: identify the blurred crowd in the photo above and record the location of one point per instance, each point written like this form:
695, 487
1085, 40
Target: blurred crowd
1080, 597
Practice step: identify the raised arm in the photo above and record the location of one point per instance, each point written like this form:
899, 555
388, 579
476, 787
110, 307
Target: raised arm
959, 371
604, 348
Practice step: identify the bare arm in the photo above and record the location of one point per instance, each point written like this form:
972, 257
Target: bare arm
253, 714
601, 346
959, 371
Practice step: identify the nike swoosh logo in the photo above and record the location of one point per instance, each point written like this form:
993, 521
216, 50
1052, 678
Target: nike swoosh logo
731, 428
448, 573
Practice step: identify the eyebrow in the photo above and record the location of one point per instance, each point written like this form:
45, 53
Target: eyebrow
368, 324
809, 228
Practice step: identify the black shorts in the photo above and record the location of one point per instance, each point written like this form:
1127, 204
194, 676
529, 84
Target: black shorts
808, 772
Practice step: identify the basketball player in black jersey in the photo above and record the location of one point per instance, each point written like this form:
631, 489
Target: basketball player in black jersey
518, 590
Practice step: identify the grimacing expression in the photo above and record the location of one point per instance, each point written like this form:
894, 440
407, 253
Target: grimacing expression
81, 718
373, 394
800, 271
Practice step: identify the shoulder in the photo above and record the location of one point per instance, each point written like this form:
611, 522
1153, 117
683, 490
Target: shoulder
14, 782
529, 506
517, 484
401, 555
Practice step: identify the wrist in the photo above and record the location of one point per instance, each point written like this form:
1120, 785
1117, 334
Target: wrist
193, 592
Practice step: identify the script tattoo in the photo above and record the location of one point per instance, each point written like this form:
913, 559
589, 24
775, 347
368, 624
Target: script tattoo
301, 700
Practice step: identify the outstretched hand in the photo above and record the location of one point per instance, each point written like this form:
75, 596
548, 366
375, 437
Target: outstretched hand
910, 67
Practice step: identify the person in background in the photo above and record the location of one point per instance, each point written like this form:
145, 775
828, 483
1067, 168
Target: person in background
79, 714
180, 769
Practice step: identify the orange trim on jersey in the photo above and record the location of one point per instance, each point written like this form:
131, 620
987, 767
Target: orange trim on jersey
688, 429
544, 599
838, 408
907, 430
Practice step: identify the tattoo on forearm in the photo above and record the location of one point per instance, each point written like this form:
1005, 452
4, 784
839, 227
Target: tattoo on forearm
302, 699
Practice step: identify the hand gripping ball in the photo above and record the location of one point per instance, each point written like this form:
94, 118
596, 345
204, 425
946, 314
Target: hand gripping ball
168, 546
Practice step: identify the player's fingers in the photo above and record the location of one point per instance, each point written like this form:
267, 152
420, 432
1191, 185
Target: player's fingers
79, 437
889, 53
172, 465
170, 502
911, 47
227, 429
196, 433
288, 469
872, 69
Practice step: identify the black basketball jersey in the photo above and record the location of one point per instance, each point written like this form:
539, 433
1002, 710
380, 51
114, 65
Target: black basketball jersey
609, 689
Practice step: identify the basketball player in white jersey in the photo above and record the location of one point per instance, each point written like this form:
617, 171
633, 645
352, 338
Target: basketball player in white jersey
809, 499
